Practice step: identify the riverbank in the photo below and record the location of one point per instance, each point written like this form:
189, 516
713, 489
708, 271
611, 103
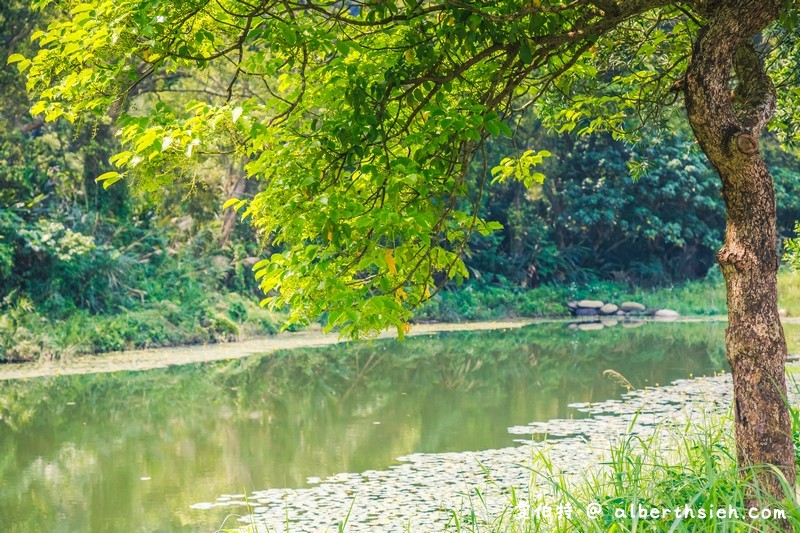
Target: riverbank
148, 359
137, 360
693, 298
30, 335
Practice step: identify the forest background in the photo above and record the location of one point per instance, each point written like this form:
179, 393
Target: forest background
88, 270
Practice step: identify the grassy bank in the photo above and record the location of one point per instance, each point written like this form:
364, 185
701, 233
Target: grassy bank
704, 298
27, 333
205, 316
691, 468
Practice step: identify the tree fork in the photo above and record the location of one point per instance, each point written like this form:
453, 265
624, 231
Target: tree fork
727, 126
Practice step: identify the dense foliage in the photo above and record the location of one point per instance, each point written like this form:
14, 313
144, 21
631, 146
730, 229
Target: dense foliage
83, 269
648, 213
153, 263
361, 122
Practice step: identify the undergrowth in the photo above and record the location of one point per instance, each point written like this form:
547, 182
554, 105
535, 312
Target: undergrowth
687, 472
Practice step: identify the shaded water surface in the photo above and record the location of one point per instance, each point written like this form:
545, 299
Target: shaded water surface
131, 451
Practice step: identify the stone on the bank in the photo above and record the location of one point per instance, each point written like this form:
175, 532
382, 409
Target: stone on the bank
573, 305
609, 309
584, 311
667, 313
632, 307
590, 304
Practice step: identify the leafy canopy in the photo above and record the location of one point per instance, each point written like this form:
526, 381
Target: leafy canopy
359, 119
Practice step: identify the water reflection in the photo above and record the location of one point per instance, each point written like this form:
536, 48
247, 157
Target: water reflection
131, 451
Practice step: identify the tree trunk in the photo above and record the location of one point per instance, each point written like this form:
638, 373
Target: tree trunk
97, 144
234, 187
727, 127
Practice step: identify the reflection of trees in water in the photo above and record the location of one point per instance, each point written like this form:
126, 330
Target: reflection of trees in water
546, 355
274, 420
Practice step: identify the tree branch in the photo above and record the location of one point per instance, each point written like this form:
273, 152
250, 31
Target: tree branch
709, 103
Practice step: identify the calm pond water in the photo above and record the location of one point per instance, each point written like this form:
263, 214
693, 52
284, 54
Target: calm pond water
131, 451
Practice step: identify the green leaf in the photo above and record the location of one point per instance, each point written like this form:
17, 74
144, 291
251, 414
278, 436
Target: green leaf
525, 53
230, 202
493, 127
38, 107
80, 8
108, 179
121, 158
261, 264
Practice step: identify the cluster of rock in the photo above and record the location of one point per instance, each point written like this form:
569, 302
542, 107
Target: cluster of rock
598, 308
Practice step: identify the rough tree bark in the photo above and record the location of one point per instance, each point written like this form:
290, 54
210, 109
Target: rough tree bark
727, 126
235, 187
